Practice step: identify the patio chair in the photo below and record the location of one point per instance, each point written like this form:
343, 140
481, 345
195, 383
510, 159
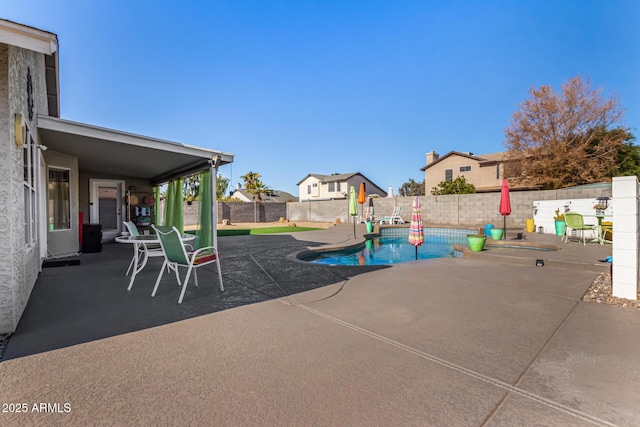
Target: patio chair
152, 249
575, 221
176, 255
607, 230
394, 218
367, 216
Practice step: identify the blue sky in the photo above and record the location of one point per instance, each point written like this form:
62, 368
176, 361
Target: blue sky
298, 87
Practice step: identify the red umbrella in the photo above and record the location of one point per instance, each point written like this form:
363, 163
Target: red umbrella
505, 204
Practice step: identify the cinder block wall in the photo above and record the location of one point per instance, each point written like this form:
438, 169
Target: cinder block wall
463, 209
239, 212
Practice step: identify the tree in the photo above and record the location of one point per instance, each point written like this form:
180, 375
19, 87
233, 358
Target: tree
412, 188
558, 140
254, 185
191, 188
457, 186
628, 157
222, 185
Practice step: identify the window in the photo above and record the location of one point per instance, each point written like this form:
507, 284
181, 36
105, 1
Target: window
308, 189
465, 168
332, 187
29, 168
315, 185
59, 199
448, 175
337, 186
498, 171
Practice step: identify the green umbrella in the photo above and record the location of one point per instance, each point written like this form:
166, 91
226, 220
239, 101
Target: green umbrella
353, 208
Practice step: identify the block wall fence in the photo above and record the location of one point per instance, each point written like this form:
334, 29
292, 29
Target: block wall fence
464, 209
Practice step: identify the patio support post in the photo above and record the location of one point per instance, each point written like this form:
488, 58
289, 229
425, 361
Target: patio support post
214, 208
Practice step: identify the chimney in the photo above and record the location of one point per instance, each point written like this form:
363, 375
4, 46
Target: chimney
432, 156
238, 186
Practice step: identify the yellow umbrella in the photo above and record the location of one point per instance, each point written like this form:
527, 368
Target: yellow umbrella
353, 208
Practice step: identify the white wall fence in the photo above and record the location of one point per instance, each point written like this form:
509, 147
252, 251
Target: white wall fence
545, 210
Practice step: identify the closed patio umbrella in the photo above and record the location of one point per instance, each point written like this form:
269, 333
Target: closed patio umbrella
505, 205
416, 232
362, 197
353, 207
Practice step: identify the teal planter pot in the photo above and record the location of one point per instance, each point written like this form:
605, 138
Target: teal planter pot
560, 227
476, 242
496, 233
487, 229
369, 226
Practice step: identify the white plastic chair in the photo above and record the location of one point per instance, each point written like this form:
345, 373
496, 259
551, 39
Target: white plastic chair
394, 218
151, 250
176, 255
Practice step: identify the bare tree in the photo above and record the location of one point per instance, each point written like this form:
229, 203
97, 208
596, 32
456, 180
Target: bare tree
563, 139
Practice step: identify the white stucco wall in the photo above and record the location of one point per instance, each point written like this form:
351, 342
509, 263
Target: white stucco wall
19, 266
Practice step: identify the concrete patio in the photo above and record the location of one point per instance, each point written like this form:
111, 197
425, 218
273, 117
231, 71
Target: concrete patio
487, 340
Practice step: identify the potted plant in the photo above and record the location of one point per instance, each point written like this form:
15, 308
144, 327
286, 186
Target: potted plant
496, 233
559, 223
476, 242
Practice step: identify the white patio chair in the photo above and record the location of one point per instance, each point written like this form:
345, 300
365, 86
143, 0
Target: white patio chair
151, 250
394, 218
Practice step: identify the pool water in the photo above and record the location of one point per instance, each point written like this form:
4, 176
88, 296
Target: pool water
386, 250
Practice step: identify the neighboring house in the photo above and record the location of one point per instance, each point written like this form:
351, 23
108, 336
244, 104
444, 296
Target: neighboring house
335, 186
273, 196
484, 171
57, 175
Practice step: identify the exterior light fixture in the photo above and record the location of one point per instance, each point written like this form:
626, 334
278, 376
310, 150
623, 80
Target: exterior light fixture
19, 130
603, 202
539, 263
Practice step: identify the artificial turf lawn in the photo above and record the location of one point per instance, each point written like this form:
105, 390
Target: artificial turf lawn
264, 230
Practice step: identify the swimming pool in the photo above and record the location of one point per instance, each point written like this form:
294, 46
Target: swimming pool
392, 247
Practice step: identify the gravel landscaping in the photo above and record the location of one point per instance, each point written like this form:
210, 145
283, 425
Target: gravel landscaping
601, 290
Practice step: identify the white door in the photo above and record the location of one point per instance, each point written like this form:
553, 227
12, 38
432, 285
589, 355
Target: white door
106, 201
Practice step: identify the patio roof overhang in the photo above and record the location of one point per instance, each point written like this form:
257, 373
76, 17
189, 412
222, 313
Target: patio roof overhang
111, 152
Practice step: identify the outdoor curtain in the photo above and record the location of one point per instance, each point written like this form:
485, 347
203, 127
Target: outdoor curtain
157, 214
203, 235
174, 205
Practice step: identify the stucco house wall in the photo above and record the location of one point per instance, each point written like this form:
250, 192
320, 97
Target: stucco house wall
317, 187
486, 172
19, 265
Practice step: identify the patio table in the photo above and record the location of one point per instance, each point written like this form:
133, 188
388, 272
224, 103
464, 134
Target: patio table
600, 239
142, 242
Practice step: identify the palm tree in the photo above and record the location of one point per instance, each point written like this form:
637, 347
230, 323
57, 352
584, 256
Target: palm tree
254, 185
